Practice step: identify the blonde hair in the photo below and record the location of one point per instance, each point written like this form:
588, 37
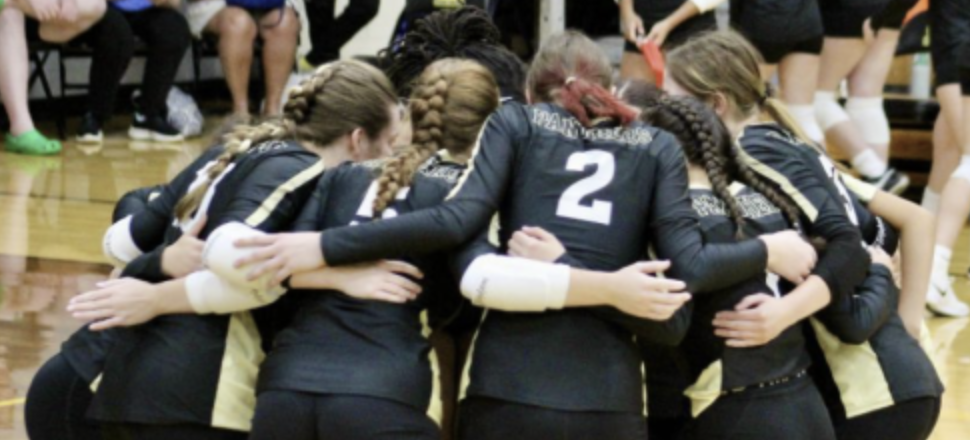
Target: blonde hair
449, 104
337, 99
725, 62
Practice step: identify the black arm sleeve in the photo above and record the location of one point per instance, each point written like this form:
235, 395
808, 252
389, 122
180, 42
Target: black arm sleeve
473, 203
856, 318
147, 267
134, 201
676, 234
844, 263
148, 226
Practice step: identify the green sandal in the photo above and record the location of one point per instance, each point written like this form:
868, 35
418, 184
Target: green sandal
32, 143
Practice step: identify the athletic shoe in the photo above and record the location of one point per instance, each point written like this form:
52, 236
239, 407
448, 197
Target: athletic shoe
943, 301
90, 130
891, 181
153, 128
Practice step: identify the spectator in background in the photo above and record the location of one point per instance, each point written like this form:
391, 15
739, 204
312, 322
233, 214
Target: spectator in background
329, 33
237, 23
59, 22
667, 23
159, 24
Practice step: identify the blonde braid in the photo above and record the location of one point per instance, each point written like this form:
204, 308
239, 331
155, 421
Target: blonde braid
427, 108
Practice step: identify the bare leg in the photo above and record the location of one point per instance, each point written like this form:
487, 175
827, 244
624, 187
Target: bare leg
868, 80
237, 33
634, 66
946, 155
13, 75
839, 57
798, 74
280, 37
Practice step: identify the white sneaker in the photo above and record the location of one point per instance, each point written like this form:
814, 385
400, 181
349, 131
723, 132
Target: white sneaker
943, 301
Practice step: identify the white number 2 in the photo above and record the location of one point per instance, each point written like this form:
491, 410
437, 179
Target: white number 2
600, 211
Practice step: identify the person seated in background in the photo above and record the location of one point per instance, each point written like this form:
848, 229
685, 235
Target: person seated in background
329, 33
166, 32
236, 24
59, 22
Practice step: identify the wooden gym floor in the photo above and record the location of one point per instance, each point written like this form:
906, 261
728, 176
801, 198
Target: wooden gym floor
53, 212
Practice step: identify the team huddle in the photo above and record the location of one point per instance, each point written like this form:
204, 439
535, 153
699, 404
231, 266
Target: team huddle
549, 256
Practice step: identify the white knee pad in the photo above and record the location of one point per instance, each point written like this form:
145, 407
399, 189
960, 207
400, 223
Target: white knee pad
870, 117
706, 5
963, 170
515, 284
119, 245
804, 115
828, 111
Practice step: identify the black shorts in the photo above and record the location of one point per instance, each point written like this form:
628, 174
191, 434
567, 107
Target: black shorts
779, 27
909, 420
481, 418
653, 12
306, 416
792, 411
893, 15
845, 19
950, 41
57, 401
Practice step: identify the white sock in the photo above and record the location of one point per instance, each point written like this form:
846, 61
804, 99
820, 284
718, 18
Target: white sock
941, 265
869, 164
931, 200
805, 116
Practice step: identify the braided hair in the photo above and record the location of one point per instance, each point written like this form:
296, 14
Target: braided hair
337, 99
467, 33
707, 143
449, 104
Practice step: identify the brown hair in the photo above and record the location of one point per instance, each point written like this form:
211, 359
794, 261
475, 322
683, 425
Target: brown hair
572, 70
707, 143
450, 101
725, 62
337, 99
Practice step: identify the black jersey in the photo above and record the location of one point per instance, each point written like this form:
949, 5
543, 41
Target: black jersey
202, 369
607, 193
813, 183
336, 344
85, 350
712, 366
865, 358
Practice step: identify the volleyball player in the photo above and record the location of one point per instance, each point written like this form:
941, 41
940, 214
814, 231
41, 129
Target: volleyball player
467, 33
789, 36
200, 371
861, 129
666, 23
531, 371
950, 33
351, 369
60, 392
781, 157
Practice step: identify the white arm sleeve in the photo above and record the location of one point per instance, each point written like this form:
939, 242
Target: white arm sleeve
209, 293
118, 244
220, 254
706, 5
515, 284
